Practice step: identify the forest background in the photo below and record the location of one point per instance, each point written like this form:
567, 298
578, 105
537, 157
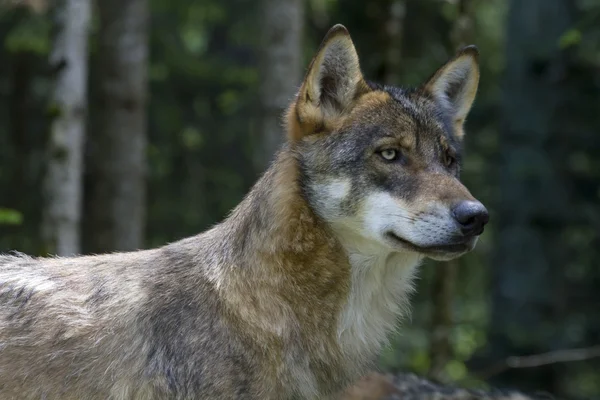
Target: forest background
128, 124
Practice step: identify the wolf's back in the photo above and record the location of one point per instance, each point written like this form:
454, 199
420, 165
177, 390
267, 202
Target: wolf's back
138, 325
60, 331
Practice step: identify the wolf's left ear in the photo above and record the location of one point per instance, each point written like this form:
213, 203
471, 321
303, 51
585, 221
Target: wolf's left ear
454, 85
332, 84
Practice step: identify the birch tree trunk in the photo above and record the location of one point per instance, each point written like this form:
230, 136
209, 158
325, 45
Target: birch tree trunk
117, 174
281, 70
63, 180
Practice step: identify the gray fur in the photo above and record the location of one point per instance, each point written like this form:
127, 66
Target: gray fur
291, 297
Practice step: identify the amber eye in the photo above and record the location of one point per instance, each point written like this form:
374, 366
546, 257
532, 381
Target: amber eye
449, 160
389, 154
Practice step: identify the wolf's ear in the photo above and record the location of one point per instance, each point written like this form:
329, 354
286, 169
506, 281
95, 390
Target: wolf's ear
331, 85
455, 84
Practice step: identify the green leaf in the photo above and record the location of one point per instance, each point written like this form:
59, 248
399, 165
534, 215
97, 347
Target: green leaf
456, 370
10, 217
191, 138
158, 72
570, 38
194, 39
31, 35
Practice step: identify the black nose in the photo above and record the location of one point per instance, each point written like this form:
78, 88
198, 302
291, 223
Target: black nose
472, 216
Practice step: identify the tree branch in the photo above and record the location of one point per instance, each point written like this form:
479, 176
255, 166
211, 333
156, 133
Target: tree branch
537, 360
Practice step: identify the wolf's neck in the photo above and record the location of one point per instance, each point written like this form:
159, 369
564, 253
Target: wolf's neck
291, 272
275, 217
381, 285
285, 263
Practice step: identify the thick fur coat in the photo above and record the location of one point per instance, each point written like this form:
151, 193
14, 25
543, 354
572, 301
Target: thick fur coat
290, 297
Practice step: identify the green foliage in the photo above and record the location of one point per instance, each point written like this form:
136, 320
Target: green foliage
31, 35
570, 38
10, 217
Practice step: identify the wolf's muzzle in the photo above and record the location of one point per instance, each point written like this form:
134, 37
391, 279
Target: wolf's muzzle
471, 216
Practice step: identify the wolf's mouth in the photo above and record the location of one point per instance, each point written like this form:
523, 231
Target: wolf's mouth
437, 249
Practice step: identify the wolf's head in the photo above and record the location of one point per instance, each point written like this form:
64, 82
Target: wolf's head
381, 164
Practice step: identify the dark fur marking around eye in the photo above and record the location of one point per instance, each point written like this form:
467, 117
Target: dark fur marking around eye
373, 132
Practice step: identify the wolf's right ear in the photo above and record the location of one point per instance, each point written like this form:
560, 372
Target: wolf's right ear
455, 84
332, 84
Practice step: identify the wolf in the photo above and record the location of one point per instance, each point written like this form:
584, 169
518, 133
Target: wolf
292, 296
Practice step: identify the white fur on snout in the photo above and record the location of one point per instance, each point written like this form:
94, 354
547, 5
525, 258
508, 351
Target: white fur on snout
384, 213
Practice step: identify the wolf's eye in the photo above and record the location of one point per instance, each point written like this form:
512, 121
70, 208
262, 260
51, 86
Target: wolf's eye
390, 154
449, 160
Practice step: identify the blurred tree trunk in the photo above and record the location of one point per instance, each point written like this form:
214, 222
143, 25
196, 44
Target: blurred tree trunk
394, 28
63, 181
442, 319
280, 71
444, 281
19, 109
535, 199
118, 146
